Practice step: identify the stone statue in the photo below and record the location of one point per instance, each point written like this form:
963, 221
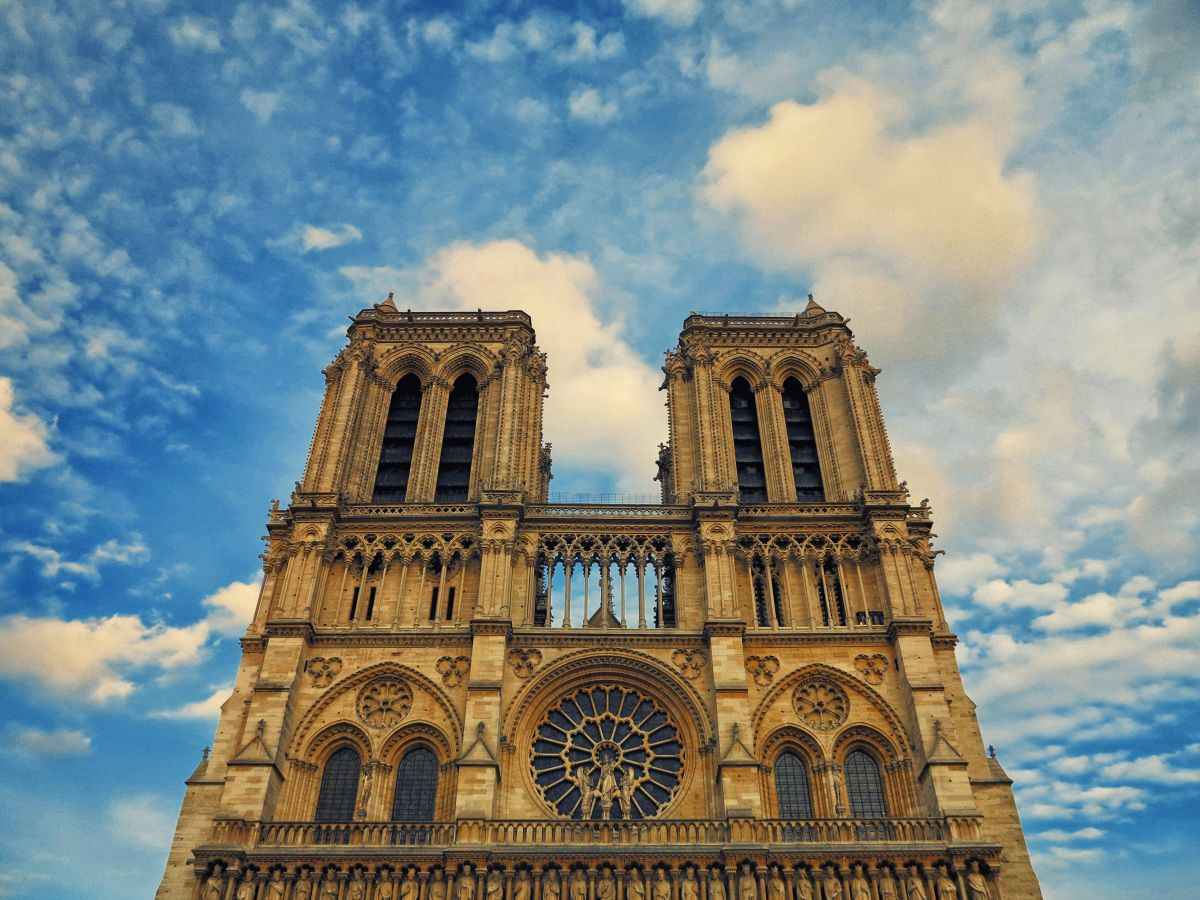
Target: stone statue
947, 889
437, 886
747, 886
804, 886
915, 885
887, 885
386, 887
860, 889
465, 888
329, 890
635, 887
977, 886
661, 889
410, 888
522, 888
716, 885
578, 886
587, 794
357, 890
303, 887
689, 889
832, 885
776, 887
214, 888
628, 789
606, 887
607, 788
494, 886
551, 888
275, 886
245, 890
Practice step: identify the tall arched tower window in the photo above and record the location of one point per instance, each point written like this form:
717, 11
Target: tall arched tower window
399, 435
864, 785
339, 787
747, 447
791, 786
802, 441
458, 441
416, 786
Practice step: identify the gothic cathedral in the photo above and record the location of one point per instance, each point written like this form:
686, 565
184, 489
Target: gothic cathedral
453, 689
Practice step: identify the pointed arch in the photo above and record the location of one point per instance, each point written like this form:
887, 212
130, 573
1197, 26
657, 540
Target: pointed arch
748, 453
399, 438
458, 440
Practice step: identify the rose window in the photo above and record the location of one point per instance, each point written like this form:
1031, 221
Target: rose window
821, 704
607, 752
384, 702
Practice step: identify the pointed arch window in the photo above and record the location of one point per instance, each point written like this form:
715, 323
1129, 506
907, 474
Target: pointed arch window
399, 436
792, 788
339, 787
416, 786
747, 446
802, 442
458, 441
864, 785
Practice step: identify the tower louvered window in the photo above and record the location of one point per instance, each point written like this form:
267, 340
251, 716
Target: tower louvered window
458, 441
416, 786
864, 785
400, 433
802, 441
829, 591
339, 787
747, 447
791, 785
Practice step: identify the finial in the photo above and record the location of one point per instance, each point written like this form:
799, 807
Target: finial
204, 754
992, 750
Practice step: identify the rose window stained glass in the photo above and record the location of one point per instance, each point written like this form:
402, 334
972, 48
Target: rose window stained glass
607, 752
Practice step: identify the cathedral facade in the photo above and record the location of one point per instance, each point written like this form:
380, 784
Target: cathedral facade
453, 689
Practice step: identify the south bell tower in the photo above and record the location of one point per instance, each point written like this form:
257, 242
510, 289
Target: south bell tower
454, 687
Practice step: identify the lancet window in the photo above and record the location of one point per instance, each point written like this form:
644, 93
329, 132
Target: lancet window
399, 436
802, 442
416, 786
339, 786
768, 593
458, 441
747, 446
792, 787
829, 591
864, 785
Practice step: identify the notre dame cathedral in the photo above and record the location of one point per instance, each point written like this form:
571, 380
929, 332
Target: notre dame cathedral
453, 689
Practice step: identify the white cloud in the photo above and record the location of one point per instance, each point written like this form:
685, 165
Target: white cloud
143, 820
111, 551
531, 111
1159, 768
23, 439
174, 120
587, 105
195, 33
1089, 833
584, 47
206, 708
673, 12
39, 742
959, 574
500, 46
95, 660
261, 103
313, 237
440, 32
600, 386
999, 593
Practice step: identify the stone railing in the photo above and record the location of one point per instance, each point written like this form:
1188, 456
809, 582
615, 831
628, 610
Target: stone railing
606, 511
576, 834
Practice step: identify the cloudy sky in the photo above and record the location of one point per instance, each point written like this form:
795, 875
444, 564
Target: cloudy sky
1003, 197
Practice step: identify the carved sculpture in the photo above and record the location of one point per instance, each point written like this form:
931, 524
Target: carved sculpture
860, 889
606, 887
915, 885
385, 889
329, 890
578, 889
762, 669
494, 887
977, 886
747, 886
245, 890
776, 888
804, 887
635, 886
384, 702
437, 886
947, 889
551, 886
410, 888
690, 662
821, 704
887, 885
465, 888
302, 889
523, 887
872, 666
716, 885
661, 890
357, 890
524, 662
214, 887
689, 889
831, 885
453, 669
322, 671
275, 887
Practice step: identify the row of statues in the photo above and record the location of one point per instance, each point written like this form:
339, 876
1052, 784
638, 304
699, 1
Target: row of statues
613, 789
694, 883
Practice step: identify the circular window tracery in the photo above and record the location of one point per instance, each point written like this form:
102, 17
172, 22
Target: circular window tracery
821, 704
607, 752
384, 702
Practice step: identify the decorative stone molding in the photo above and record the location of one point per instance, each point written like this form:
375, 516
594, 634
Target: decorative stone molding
762, 669
323, 670
821, 704
690, 662
524, 662
453, 669
872, 666
384, 702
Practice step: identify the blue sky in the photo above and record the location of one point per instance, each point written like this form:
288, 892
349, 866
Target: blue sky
1001, 196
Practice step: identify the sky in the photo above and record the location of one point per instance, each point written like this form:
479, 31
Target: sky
1002, 197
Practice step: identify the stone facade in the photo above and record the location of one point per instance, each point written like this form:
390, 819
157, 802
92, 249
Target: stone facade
618, 697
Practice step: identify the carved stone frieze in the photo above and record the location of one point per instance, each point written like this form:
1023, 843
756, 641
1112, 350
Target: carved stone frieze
762, 669
322, 670
524, 661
